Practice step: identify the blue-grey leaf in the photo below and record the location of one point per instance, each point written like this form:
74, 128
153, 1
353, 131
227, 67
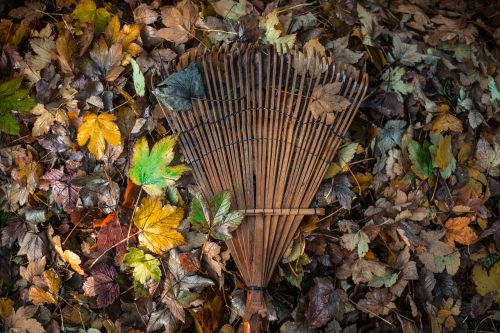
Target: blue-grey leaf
177, 90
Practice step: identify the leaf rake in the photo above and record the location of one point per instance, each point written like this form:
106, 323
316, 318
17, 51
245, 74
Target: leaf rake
257, 129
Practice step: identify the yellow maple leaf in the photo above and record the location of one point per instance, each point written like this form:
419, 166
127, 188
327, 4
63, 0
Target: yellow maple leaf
458, 230
97, 130
487, 281
157, 225
68, 256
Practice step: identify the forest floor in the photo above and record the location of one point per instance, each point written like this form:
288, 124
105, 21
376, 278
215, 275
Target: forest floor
89, 176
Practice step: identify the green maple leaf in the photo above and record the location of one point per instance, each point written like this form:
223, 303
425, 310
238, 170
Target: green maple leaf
421, 159
151, 170
13, 99
145, 266
215, 219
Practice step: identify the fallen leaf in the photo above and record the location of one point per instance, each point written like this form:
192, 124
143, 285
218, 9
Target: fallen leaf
102, 284
444, 157
139, 84
63, 192
449, 308
274, 31
230, 9
377, 302
488, 158
144, 14
145, 266
215, 219
323, 303
21, 320
179, 22
97, 130
151, 168
326, 99
68, 256
446, 121
177, 91
358, 240
158, 224
458, 230
487, 280
112, 235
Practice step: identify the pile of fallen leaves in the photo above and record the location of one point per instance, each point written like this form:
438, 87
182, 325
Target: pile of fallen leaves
102, 227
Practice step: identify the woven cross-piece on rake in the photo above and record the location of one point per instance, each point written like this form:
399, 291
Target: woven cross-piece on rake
253, 134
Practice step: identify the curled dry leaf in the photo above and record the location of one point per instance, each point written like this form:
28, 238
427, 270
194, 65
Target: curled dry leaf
68, 256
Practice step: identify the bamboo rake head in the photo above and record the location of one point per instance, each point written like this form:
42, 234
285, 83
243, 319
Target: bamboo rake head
253, 133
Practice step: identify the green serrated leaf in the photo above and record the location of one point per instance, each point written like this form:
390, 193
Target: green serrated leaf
145, 266
139, 83
87, 11
150, 168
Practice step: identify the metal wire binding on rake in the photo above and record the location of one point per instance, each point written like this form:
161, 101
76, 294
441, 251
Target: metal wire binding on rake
252, 134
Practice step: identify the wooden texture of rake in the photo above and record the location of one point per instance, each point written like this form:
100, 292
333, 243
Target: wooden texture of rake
254, 135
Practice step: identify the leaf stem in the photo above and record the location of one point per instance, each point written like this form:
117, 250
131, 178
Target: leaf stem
132, 218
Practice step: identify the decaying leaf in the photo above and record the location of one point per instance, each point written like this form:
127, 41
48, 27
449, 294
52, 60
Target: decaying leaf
68, 256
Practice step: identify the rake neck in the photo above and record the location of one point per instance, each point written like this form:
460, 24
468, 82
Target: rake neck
255, 311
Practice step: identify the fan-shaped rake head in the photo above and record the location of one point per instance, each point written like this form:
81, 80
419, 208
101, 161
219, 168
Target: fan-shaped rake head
263, 124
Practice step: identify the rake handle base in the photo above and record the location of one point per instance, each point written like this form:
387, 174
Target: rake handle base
255, 311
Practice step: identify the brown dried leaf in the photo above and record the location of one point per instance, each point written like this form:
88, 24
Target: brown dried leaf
326, 99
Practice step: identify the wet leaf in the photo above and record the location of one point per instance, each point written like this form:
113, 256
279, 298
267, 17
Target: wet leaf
179, 88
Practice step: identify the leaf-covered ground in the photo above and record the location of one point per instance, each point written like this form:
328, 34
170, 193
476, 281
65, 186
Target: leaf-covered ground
103, 229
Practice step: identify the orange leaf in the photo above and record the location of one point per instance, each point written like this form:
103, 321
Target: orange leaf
458, 230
